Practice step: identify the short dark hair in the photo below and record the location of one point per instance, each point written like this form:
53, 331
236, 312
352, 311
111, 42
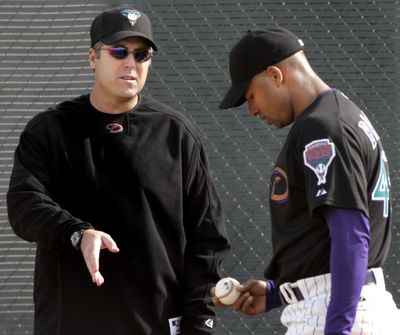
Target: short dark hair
97, 48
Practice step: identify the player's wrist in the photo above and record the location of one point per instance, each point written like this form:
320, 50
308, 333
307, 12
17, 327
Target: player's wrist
76, 238
273, 299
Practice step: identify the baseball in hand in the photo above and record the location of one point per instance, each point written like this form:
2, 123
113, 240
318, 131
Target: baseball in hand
226, 291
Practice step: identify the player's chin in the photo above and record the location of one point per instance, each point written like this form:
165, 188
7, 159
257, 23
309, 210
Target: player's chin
278, 124
128, 94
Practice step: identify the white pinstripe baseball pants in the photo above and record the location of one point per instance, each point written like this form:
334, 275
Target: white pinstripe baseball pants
377, 313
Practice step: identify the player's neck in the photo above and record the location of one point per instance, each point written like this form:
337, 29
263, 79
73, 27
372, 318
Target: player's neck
105, 104
308, 93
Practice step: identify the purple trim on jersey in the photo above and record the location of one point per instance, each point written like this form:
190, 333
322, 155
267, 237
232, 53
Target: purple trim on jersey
326, 92
272, 294
350, 236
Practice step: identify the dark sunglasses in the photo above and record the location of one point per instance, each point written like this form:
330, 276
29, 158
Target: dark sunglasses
140, 55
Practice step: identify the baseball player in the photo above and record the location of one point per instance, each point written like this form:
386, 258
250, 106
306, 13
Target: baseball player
330, 198
119, 171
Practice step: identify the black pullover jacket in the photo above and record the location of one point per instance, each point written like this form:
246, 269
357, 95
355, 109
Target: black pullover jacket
141, 177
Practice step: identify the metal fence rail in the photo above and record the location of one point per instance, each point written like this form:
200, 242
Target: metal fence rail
353, 45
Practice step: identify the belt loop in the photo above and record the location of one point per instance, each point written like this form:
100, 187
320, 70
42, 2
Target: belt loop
287, 293
370, 278
378, 276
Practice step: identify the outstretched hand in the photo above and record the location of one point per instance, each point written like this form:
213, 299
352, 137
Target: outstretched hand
252, 300
92, 242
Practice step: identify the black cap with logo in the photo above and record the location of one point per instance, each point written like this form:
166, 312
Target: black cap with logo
253, 54
119, 23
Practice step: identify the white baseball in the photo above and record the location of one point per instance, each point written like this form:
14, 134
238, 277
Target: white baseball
226, 291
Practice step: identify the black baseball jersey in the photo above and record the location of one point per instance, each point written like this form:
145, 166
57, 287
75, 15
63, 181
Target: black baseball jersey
332, 156
141, 177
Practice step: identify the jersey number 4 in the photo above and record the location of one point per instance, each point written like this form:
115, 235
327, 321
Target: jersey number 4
382, 188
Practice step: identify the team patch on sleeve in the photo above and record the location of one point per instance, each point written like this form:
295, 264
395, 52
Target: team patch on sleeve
318, 155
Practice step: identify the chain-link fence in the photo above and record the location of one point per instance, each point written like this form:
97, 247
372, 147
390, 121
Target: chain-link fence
353, 45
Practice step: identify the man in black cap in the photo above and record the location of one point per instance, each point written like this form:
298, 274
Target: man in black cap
330, 198
117, 170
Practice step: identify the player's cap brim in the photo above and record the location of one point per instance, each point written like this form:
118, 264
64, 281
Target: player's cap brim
235, 95
121, 35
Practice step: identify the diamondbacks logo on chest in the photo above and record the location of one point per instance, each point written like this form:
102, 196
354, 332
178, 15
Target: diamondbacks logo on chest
114, 128
279, 185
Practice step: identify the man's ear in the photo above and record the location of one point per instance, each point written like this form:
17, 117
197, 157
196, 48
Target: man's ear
276, 74
92, 58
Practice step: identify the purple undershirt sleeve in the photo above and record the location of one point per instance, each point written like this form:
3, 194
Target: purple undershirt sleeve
350, 236
272, 294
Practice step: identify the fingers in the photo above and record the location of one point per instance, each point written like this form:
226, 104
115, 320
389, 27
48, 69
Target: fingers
236, 305
90, 247
254, 286
92, 242
252, 300
245, 305
242, 300
97, 278
108, 243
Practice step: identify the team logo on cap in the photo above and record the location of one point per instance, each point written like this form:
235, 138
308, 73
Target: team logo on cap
318, 155
131, 14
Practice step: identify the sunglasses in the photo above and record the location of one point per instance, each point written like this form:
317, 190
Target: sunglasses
140, 55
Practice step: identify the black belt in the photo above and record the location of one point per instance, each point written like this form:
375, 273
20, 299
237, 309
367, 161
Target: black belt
369, 279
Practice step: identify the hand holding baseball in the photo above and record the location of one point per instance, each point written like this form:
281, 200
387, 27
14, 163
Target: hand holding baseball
251, 299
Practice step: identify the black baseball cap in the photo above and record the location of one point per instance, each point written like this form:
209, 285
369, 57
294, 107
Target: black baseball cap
256, 51
117, 24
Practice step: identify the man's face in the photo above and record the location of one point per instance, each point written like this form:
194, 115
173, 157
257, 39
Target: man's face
268, 98
120, 80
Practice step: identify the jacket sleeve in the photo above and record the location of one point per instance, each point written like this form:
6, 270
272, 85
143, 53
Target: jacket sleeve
207, 243
33, 214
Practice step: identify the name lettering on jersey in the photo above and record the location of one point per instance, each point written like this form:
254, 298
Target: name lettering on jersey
279, 185
369, 130
318, 155
381, 190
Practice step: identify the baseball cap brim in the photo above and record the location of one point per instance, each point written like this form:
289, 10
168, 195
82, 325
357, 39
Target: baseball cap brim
235, 95
120, 35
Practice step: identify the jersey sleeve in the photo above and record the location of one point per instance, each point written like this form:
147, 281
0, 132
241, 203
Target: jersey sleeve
350, 238
334, 172
33, 214
207, 244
